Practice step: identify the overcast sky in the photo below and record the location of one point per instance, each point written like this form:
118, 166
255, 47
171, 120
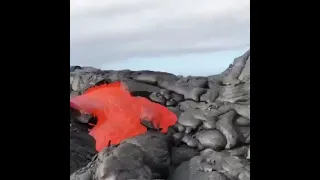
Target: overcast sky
159, 34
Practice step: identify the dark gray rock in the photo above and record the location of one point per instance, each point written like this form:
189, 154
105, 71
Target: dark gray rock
88, 69
177, 97
181, 154
243, 110
178, 127
126, 163
82, 150
242, 121
193, 81
153, 77
175, 110
166, 93
188, 130
74, 93
209, 124
156, 149
181, 173
189, 105
212, 166
146, 156
80, 81
190, 141
158, 98
84, 173
210, 96
165, 97
187, 119
213, 139
234, 93
245, 74
207, 151
246, 133
125, 75
240, 151
215, 82
171, 102
237, 67
189, 92
140, 89
177, 137
204, 115
113, 76
230, 130
73, 68
122, 75
79, 121
77, 84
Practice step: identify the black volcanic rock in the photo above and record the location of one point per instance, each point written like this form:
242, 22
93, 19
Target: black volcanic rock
201, 82
189, 92
230, 130
236, 69
82, 150
181, 154
146, 156
151, 77
214, 165
211, 139
137, 88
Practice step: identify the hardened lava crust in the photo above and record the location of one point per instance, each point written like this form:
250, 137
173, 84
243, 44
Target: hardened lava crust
211, 139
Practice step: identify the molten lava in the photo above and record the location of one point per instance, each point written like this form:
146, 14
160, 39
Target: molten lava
119, 114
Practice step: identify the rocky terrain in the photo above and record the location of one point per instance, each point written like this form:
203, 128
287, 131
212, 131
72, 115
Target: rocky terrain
210, 141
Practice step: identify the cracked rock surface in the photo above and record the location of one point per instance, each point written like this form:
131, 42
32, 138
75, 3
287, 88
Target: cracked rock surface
211, 139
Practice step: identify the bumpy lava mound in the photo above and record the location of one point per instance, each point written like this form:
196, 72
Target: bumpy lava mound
211, 139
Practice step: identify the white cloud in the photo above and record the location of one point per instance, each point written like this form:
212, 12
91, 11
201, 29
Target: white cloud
111, 30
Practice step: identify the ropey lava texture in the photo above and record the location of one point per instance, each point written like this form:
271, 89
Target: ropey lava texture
211, 139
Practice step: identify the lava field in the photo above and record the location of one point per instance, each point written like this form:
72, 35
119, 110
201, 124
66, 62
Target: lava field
211, 139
